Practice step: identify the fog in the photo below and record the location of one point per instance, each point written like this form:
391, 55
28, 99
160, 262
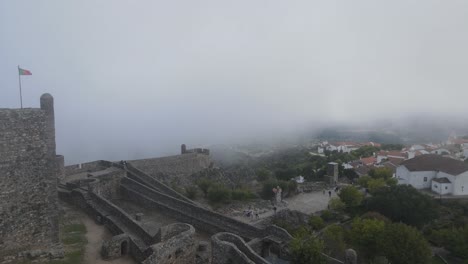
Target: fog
135, 79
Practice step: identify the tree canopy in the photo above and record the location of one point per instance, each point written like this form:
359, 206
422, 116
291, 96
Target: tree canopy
403, 203
351, 196
405, 245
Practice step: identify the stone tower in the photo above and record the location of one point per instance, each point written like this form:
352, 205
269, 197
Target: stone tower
28, 179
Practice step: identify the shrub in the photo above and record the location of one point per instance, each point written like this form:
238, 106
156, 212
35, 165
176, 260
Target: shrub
263, 174
218, 193
242, 194
336, 204
316, 223
327, 215
204, 184
191, 192
334, 238
267, 189
376, 216
306, 249
292, 186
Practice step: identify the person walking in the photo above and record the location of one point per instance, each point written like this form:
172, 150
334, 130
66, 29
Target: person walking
329, 193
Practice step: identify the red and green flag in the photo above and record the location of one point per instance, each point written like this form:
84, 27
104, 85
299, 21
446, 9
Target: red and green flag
24, 72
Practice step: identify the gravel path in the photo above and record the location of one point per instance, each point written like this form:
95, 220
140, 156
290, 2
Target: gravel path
309, 203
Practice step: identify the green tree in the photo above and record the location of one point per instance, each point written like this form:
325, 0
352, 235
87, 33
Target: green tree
263, 174
392, 181
364, 180
375, 184
365, 151
316, 223
351, 196
334, 240
365, 235
204, 184
383, 173
392, 147
350, 174
403, 203
336, 204
453, 239
404, 245
306, 249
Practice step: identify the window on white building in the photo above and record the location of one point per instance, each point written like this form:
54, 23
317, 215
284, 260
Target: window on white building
446, 187
425, 179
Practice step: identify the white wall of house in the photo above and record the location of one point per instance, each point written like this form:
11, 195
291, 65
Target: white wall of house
440, 151
422, 179
402, 174
380, 158
465, 153
460, 185
441, 188
418, 179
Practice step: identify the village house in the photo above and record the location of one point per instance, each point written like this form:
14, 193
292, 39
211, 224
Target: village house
440, 174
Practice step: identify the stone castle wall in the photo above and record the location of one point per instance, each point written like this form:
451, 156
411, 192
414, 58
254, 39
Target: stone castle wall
199, 217
28, 182
85, 167
173, 166
230, 248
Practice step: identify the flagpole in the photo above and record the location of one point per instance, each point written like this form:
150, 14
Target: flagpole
19, 79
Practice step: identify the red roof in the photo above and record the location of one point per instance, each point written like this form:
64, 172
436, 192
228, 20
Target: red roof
368, 160
395, 161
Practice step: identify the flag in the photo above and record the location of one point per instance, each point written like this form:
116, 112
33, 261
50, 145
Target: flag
24, 72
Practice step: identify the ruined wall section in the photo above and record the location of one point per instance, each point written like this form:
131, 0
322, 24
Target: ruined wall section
230, 248
28, 183
173, 168
86, 167
107, 182
201, 218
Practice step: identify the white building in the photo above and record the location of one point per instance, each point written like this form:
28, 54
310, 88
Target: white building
440, 174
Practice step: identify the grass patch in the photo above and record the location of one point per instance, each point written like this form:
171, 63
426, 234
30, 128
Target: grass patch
74, 234
74, 228
72, 257
73, 237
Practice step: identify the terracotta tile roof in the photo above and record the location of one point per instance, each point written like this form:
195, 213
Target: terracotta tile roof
368, 160
433, 162
396, 161
363, 170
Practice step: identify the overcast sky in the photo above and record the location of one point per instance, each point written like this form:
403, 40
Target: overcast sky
138, 78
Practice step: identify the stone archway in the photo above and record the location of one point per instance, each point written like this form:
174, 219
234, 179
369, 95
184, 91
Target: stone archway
124, 248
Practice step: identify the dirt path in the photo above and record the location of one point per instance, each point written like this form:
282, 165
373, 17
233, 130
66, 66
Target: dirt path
95, 235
